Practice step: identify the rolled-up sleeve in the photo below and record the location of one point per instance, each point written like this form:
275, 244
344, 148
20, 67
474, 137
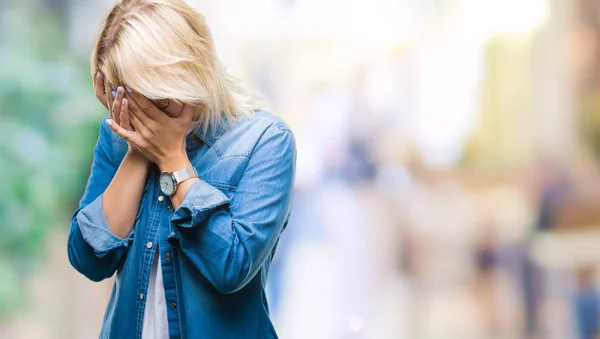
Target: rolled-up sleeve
95, 231
199, 201
228, 241
93, 249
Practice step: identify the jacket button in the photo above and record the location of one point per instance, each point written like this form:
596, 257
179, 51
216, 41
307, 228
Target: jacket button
173, 305
168, 208
149, 244
161, 198
141, 296
168, 256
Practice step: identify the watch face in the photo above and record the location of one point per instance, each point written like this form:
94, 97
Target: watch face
167, 184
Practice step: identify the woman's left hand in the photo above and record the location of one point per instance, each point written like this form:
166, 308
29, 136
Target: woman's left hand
159, 137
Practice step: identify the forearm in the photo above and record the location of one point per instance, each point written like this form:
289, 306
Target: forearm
121, 199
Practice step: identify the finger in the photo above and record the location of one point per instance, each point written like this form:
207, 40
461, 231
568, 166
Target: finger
99, 89
138, 112
138, 126
187, 113
113, 92
147, 106
129, 136
125, 121
117, 104
110, 102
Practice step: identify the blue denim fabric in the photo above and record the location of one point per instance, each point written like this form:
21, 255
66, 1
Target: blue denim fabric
215, 249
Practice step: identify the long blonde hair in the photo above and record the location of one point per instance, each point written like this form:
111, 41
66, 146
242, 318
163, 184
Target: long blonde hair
163, 49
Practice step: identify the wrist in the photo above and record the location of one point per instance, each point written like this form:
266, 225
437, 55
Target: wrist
136, 156
174, 162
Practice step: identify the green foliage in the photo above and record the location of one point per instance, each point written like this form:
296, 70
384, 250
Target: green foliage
48, 126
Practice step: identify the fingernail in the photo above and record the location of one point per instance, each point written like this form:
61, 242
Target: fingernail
124, 102
98, 75
129, 89
109, 122
120, 90
114, 94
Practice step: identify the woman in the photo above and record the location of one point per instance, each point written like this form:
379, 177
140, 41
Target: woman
190, 186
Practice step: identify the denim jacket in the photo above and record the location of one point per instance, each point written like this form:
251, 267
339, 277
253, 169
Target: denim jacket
214, 250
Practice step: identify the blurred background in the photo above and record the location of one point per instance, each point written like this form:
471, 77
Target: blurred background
448, 179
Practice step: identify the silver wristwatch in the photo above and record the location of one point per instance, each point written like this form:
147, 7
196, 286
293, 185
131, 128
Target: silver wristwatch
170, 180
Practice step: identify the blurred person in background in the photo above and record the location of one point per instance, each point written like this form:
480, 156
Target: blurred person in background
486, 255
553, 190
586, 305
190, 185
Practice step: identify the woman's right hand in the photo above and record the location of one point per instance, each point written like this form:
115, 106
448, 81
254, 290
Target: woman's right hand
112, 98
116, 104
103, 94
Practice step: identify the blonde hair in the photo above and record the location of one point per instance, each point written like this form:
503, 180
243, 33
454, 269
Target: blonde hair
163, 49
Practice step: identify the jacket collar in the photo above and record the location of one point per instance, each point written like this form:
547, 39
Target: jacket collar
213, 132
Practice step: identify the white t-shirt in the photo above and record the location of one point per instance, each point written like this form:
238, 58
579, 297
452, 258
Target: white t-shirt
156, 325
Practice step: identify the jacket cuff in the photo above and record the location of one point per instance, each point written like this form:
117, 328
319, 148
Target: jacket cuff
199, 201
95, 231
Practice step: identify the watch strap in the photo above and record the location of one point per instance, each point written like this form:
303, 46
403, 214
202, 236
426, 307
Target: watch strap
184, 174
